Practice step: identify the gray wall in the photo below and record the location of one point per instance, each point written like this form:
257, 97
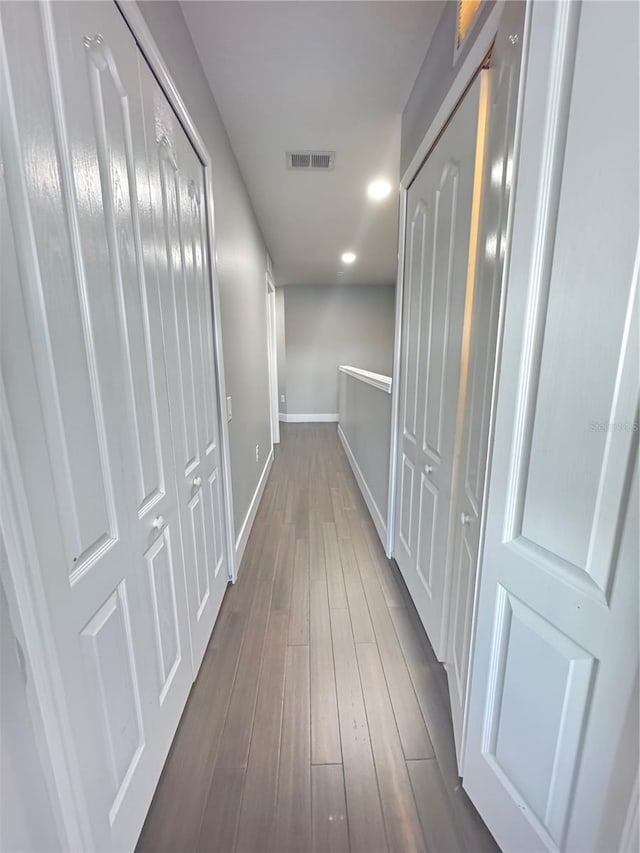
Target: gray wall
435, 78
240, 255
328, 326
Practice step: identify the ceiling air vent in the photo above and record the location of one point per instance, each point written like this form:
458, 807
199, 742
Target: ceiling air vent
311, 161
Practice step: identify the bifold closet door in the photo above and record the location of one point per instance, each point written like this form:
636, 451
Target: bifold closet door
180, 232
469, 482
89, 299
100, 104
439, 239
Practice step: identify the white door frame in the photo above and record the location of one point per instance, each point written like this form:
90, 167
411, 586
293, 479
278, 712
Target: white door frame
465, 75
142, 34
24, 582
272, 355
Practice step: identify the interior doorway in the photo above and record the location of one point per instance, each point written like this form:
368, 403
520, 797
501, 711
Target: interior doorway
272, 347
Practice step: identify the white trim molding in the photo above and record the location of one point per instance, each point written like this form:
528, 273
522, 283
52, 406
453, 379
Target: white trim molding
304, 418
377, 380
372, 506
247, 524
272, 355
22, 573
395, 382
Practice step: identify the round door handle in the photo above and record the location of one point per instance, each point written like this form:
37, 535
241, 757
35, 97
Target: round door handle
465, 519
428, 469
197, 481
158, 522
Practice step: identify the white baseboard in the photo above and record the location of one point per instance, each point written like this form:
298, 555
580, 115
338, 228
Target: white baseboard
245, 530
378, 519
309, 419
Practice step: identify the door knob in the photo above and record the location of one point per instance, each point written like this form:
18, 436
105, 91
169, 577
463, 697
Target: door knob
464, 518
197, 481
158, 522
428, 469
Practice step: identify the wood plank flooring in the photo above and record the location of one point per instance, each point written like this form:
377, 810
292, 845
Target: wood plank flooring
319, 720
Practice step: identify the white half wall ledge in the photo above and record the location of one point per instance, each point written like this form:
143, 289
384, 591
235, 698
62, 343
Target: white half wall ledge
377, 380
304, 418
247, 524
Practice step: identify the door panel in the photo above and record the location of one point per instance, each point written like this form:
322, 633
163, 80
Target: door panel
166, 623
439, 215
200, 312
110, 659
428, 516
84, 441
464, 575
184, 387
556, 648
482, 346
214, 528
412, 317
540, 767
442, 317
111, 102
406, 503
200, 550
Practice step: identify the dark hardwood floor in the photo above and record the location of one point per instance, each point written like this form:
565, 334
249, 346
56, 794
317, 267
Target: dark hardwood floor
319, 719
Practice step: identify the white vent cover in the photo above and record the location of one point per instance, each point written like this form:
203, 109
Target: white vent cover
308, 161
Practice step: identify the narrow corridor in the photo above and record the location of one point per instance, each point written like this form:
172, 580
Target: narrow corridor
319, 719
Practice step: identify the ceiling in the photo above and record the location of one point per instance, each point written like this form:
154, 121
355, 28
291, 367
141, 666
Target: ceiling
332, 76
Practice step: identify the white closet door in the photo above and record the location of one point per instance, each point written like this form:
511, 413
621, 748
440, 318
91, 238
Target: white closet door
100, 92
439, 233
84, 372
470, 468
177, 189
556, 650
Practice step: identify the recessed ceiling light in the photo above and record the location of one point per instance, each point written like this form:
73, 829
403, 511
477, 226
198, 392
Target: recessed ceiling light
378, 189
348, 257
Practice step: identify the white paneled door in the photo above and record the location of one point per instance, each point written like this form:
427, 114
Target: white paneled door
179, 215
468, 488
440, 241
110, 386
556, 649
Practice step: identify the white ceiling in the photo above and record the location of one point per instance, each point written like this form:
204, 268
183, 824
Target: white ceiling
316, 75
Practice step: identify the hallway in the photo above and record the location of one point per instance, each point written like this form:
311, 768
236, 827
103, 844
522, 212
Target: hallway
319, 719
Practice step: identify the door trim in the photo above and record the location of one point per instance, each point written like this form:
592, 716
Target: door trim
67, 802
272, 356
395, 373
146, 43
